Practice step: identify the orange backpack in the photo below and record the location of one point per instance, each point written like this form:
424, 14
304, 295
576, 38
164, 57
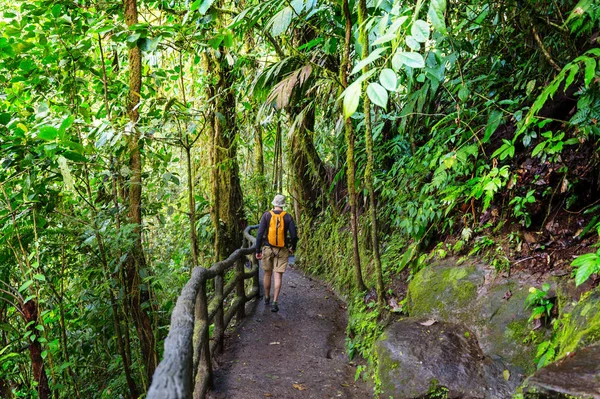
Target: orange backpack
276, 233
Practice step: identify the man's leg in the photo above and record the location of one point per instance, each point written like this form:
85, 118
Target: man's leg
278, 279
267, 283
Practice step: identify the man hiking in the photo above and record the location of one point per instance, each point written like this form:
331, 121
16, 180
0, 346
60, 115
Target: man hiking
275, 250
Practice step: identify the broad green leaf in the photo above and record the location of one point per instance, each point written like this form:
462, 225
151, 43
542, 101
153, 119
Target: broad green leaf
420, 30
584, 272
48, 133
228, 39
39, 277
297, 5
396, 25
66, 123
4, 118
538, 148
281, 21
56, 10
463, 93
384, 39
25, 285
437, 9
388, 79
410, 59
412, 43
376, 54
201, 5
493, 122
590, 71
377, 94
195, 5
351, 99
149, 45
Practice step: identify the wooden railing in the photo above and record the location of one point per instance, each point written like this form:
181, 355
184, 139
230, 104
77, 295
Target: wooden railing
186, 368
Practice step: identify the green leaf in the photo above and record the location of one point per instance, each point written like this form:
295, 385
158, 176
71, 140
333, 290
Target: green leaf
148, 45
384, 39
584, 272
538, 148
420, 30
437, 9
410, 59
377, 94
228, 39
298, 6
412, 43
201, 5
590, 71
66, 123
530, 87
281, 21
48, 133
56, 10
376, 54
493, 122
25, 285
351, 99
4, 118
388, 79
39, 277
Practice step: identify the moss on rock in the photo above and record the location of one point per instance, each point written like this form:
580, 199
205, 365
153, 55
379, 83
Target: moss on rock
580, 327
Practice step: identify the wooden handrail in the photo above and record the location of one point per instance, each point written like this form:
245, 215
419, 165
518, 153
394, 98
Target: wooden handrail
186, 368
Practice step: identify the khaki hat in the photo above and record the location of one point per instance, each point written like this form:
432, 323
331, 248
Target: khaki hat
279, 201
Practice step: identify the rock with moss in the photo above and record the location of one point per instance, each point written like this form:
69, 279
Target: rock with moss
493, 307
415, 356
576, 376
580, 327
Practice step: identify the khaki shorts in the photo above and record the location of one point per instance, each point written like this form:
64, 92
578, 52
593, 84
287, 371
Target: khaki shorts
275, 259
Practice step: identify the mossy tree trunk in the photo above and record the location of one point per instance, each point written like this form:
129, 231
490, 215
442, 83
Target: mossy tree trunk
350, 137
136, 260
364, 42
228, 210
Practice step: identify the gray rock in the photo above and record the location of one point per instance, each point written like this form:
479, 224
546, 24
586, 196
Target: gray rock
576, 376
492, 306
416, 358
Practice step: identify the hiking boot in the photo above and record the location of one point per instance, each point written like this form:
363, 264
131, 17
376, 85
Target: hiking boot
274, 307
267, 300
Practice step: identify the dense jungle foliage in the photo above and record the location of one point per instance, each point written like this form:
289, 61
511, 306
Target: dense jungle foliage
139, 137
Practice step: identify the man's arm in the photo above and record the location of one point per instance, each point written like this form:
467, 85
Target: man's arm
261, 232
293, 234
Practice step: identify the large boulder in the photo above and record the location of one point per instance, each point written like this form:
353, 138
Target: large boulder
576, 376
418, 360
472, 294
581, 326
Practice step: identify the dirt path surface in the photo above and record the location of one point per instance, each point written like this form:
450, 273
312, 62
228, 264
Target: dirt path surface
295, 353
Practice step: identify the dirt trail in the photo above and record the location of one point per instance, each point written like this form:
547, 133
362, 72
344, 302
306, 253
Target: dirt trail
295, 353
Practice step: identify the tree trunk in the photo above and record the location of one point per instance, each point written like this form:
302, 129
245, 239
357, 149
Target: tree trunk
30, 312
349, 133
259, 170
136, 260
305, 184
364, 42
228, 209
192, 208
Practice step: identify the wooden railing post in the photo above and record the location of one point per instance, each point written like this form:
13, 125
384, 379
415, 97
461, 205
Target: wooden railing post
186, 366
255, 278
240, 290
201, 315
219, 315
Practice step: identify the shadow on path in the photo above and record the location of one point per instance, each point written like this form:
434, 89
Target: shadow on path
295, 353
